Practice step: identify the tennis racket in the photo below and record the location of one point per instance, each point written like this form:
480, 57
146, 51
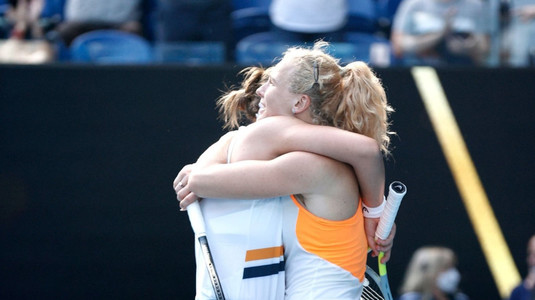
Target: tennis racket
376, 285
197, 223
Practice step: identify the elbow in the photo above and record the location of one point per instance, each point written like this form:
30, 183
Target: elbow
372, 150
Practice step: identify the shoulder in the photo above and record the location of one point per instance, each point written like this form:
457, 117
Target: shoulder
313, 166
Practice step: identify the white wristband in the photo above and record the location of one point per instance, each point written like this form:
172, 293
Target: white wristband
373, 212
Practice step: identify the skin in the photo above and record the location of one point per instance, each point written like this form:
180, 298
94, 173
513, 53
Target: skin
326, 187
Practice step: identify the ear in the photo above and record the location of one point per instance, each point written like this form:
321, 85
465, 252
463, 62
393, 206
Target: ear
302, 104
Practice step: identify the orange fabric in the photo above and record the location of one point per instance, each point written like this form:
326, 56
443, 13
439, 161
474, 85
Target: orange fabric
264, 253
342, 243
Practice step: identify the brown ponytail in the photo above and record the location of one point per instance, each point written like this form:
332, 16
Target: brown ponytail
237, 106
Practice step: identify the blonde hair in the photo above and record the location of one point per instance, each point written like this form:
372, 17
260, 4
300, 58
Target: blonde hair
351, 97
241, 105
424, 267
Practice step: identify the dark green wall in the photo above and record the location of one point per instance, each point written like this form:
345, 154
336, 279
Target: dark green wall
88, 155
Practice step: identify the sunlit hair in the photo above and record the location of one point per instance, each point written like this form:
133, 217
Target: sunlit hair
241, 105
424, 267
351, 97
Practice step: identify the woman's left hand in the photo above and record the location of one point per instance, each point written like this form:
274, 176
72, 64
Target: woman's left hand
378, 245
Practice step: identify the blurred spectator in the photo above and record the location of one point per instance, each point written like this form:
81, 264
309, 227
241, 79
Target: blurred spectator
194, 20
432, 275
25, 43
519, 36
87, 15
441, 32
309, 20
526, 289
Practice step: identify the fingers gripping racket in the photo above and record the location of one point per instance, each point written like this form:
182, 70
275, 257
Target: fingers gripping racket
197, 223
376, 286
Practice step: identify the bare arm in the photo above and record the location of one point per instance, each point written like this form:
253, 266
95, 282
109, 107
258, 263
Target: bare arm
291, 173
280, 135
404, 43
215, 154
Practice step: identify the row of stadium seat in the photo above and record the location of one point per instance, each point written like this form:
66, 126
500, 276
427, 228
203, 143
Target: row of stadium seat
117, 47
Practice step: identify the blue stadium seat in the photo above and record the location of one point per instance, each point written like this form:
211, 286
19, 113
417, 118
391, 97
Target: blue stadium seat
260, 49
265, 48
4, 25
362, 16
248, 21
386, 9
249, 17
53, 9
111, 47
190, 53
4, 5
240, 4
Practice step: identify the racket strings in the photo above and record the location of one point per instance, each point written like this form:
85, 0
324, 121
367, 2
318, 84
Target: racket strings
372, 289
368, 293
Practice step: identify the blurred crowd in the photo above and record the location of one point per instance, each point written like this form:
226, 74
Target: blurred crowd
392, 32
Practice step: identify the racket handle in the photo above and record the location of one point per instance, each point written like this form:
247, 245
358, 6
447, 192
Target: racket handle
396, 191
196, 219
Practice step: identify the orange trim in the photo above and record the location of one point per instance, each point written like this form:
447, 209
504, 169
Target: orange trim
342, 243
264, 253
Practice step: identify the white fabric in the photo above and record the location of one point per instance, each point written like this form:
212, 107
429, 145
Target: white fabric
309, 276
520, 36
427, 16
309, 16
113, 11
232, 228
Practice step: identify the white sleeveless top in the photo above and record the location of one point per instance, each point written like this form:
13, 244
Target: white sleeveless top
245, 237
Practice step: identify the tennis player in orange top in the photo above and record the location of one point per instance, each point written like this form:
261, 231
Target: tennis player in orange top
323, 226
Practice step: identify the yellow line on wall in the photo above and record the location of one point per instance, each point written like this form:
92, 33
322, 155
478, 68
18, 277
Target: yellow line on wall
475, 200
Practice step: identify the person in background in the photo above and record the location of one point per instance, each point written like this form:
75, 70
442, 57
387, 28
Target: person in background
441, 32
308, 21
519, 34
82, 16
25, 43
432, 275
526, 289
194, 21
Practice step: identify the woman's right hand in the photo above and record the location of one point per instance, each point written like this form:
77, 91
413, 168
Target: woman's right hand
184, 196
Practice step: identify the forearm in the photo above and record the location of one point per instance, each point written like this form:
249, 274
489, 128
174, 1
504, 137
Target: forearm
252, 179
361, 152
416, 43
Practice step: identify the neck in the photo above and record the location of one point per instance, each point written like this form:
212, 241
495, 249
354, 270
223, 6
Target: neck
305, 116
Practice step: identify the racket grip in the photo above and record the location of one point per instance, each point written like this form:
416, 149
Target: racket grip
396, 191
196, 219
